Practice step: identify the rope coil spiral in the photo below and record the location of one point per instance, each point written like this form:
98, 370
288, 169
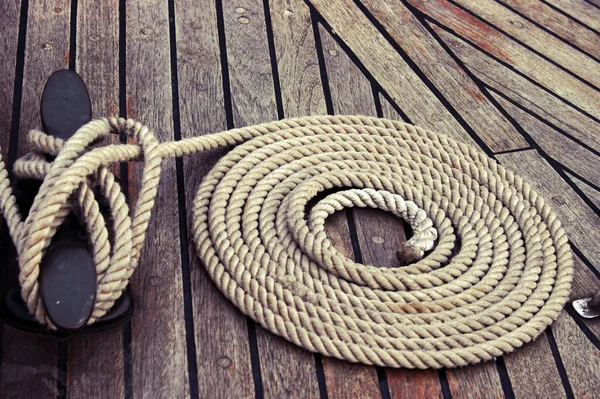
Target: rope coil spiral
488, 268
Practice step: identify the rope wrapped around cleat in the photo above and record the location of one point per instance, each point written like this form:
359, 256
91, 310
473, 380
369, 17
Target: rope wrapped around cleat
488, 268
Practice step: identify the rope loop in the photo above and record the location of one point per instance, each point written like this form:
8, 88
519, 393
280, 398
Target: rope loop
487, 269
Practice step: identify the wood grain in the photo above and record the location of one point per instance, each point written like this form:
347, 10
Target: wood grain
29, 362
579, 355
522, 91
286, 370
9, 30
221, 334
97, 61
512, 53
580, 10
591, 193
585, 284
449, 78
158, 337
558, 146
11, 371
533, 372
389, 68
297, 61
536, 38
558, 23
578, 220
478, 381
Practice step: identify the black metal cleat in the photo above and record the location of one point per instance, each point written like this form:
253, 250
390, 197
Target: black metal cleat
67, 273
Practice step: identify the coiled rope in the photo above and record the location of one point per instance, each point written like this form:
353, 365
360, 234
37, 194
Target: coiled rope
270, 255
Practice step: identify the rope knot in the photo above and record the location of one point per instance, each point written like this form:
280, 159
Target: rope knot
73, 174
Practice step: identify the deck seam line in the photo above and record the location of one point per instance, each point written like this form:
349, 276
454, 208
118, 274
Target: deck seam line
273, 59
126, 336
550, 32
507, 66
562, 372
184, 245
543, 120
426, 81
13, 143
505, 381
526, 46
571, 17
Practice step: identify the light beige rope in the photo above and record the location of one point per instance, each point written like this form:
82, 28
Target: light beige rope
508, 280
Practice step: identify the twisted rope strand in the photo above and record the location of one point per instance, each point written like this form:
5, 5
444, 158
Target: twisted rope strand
487, 269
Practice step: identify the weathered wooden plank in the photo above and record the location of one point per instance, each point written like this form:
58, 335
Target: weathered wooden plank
582, 11
578, 220
558, 23
580, 357
561, 148
15, 372
97, 61
158, 337
512, 53
297, 62
9, 30
389, 232
344, 379
522, 91
585, 284
285, 368
221, 334
478, 381
588, 191
29, 366
389, 68
594, 2
533, 372
449, 78
536, 38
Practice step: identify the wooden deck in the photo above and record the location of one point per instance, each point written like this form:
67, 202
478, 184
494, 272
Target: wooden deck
518, 78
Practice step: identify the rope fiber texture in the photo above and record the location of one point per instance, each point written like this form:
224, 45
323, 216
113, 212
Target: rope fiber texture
488, 269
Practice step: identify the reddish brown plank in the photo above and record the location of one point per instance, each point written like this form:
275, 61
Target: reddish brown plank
536, 38
389, 68
513, 54
97, 62
562, 25
523, 91
285, 368
158, 345
580, 10
29, 366
343, 379
221, 334
449, 78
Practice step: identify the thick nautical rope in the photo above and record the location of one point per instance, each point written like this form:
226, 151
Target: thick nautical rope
489, 266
